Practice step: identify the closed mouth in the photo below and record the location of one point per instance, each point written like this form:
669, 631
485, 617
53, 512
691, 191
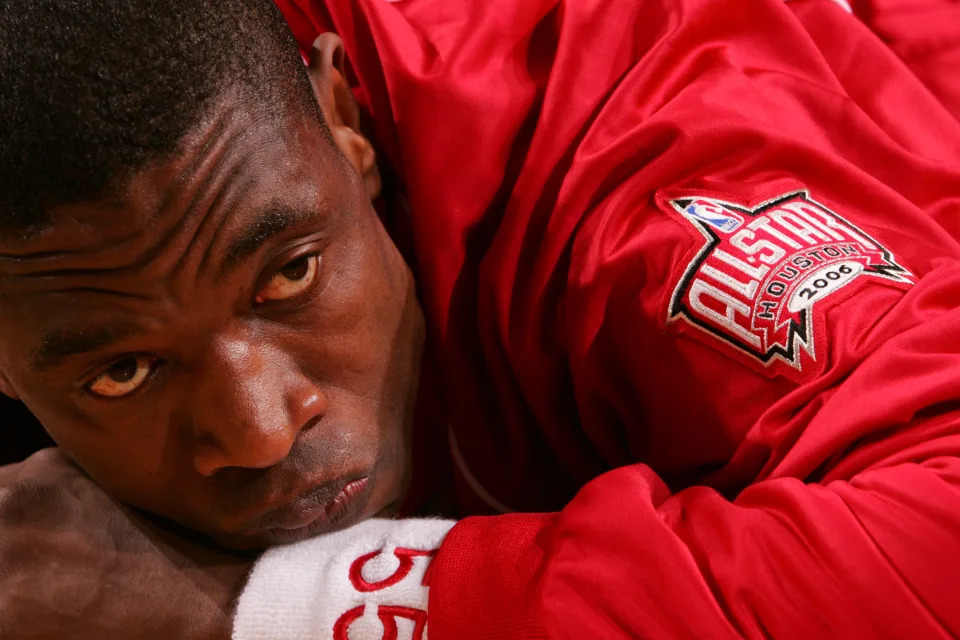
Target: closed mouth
318, 510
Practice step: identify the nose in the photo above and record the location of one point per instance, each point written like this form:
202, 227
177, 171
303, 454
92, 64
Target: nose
252, 402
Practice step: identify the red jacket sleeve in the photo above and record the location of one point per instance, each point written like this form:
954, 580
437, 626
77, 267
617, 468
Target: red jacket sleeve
851, 533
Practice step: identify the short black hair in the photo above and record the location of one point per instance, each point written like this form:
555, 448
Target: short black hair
91, 90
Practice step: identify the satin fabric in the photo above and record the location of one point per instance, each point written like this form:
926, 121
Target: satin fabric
693, 489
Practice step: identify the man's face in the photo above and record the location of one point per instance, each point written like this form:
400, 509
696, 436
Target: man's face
233, 342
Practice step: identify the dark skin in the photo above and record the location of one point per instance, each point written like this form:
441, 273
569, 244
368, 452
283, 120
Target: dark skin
77, 564
230, 341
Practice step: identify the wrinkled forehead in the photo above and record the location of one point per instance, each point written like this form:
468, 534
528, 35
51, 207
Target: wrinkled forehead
237, 159
233, 147
130, 210
231, 184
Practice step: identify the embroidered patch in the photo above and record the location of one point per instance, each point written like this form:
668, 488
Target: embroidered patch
760, 273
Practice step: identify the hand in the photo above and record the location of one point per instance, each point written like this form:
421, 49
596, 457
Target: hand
76, 564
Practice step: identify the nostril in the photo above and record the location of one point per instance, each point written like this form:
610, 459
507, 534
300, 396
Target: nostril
311, 423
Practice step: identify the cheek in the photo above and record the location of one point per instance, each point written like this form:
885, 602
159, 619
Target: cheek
363, 342
124, 455
359, 330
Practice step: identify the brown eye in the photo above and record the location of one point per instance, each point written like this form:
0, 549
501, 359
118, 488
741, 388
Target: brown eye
123, 377
294, 277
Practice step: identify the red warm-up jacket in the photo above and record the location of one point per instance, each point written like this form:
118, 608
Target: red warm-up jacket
693, 271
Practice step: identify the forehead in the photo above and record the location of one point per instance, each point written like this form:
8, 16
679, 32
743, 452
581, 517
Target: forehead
235, 181
231, 157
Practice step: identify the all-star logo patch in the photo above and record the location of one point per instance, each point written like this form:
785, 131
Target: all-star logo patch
761, 272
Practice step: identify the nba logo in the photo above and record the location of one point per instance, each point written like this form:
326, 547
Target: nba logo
714, 214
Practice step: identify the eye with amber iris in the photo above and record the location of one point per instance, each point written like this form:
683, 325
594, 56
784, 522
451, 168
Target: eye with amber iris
123, 377
293, 278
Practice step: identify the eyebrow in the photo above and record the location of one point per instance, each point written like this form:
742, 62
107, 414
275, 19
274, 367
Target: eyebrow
60, 343
271, 221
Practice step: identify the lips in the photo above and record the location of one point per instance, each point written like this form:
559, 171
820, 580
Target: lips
316, 505
317, 510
